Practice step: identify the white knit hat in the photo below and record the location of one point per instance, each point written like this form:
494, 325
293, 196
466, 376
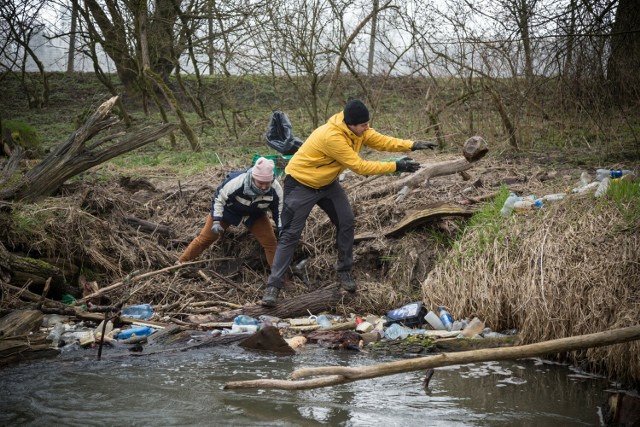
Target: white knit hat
263, 170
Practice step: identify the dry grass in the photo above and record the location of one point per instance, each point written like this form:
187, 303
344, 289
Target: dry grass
569, 269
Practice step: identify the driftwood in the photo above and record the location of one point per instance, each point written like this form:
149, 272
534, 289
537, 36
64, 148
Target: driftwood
150, 227
314, 302
45, 305
334, 375
75, 155
16, 342
20, 322
433, 212
474, 149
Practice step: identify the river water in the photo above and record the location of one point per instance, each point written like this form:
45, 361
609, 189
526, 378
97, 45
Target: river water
185, 388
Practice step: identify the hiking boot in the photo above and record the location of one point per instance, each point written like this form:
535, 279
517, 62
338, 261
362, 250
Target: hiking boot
270, 296
346, 281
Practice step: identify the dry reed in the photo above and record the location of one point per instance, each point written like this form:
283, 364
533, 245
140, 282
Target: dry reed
570, 269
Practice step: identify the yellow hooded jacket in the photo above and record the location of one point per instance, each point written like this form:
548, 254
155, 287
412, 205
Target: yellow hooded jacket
332, 148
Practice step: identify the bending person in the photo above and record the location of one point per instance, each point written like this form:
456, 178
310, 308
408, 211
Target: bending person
312, 179
243, 197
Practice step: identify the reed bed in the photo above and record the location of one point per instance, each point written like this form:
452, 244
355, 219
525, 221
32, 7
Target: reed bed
569, 269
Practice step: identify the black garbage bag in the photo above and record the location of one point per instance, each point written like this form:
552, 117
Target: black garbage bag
280, 134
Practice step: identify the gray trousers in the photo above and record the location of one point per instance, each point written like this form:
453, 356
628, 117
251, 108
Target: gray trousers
298, 202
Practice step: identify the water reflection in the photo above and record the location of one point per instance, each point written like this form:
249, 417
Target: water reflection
186, 389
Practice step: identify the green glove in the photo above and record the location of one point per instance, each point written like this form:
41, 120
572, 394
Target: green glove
407, 165
423, 145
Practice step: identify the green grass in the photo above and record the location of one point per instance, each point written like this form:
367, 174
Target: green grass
626, 197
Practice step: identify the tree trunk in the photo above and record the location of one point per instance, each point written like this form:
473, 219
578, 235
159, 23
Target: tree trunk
624, 61
72, 38
315, 302
75, 156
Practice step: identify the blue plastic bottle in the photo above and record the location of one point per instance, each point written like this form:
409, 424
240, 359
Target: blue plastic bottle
140, 311
446, 318
139, 331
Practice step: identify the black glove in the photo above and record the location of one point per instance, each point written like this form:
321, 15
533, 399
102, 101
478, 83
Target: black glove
423, 145
407, 165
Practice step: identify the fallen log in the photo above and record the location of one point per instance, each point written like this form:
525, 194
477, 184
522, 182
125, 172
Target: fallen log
20, 322
474, 149
314, 302
75, 155
334, 375
428, 214
150, 227
16, 341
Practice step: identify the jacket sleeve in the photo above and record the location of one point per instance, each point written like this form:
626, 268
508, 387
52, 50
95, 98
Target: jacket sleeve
381, 142
340, 149
277, 204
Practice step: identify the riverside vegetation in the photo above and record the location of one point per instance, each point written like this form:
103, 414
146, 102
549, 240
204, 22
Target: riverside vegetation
568, 269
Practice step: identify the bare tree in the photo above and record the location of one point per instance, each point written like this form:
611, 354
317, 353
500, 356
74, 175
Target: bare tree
624, 62
20, 23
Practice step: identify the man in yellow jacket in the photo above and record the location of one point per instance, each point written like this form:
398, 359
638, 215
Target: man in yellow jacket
312, 179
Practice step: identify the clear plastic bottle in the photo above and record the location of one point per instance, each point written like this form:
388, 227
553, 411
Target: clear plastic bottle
585, 179
243, 319
323, 321
140, 311
445, 317
396, 331
553, 197
603, 187
507, 208
611, 173
527, 205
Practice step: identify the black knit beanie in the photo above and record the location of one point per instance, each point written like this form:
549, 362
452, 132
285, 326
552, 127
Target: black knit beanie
355, 112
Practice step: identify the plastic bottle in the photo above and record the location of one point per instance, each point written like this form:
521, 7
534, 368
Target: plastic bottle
527, 205
140, 311
396, 331
139, 331
445, 317
611, 173
603, 187
473, 328
553, 197
239, 329
323, 321
508, 205
56, 333
434, 321
585, 179
243, 319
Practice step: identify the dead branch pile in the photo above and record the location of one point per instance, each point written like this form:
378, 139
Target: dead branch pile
108, 227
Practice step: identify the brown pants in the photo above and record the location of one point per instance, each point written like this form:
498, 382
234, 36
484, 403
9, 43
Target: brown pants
261, 230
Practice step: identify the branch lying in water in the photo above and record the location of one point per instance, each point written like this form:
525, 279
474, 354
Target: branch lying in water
334, 375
